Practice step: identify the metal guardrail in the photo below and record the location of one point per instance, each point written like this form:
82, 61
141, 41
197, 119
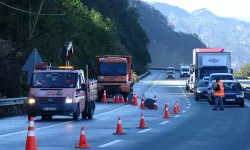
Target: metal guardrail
12, 101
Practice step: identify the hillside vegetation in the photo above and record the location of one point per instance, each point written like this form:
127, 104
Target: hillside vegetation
92, 34
215, 31
167, 47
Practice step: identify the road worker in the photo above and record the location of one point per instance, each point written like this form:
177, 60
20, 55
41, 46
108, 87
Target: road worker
219, 94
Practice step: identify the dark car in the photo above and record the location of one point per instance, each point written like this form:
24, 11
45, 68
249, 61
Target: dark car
234, 93
201, 92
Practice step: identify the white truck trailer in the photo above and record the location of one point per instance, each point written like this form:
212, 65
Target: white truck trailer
208, 61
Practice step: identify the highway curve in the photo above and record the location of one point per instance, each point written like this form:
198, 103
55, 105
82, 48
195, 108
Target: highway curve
196, 127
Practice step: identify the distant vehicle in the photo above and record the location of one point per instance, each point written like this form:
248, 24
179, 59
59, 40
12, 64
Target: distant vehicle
171, 69
205, 78
234, 93
184, 71
170, 74
210, 60
191, 83
201, 91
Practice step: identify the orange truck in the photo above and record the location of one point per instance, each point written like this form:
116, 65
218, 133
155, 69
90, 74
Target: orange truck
115, 75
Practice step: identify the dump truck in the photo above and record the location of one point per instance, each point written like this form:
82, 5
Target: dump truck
114, 75
61, 90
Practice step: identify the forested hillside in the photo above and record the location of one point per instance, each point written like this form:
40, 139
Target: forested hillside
167, 47
116, 32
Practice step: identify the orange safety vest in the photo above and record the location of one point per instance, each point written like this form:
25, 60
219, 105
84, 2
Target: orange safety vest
221, 91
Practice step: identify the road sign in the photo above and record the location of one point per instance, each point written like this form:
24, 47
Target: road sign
29, 65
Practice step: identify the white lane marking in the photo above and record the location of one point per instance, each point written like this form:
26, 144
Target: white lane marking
183, 93
145, 130
164, 122
247, 104
177, 116
187, 107
45, 127
184, 111
36, 129
187, 99
153, 84
189, 104
110, 143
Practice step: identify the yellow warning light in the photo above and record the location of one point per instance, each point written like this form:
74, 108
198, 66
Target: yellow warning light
66, 67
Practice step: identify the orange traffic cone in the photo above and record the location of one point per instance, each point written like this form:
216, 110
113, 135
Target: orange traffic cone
178, 106
104, 98
166, 115
114, 99
135, 100
126, 100
175, 109
142, 122
119, 128
155, 106
121, 99
83, 140
142, 103
31, 143
166, 105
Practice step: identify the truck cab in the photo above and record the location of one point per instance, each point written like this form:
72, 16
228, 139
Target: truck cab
114, 75
61, 90
184, 71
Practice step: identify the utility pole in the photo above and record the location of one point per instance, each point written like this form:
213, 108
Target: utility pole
38, 14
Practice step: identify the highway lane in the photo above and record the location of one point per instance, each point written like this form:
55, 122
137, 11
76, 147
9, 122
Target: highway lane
65, 135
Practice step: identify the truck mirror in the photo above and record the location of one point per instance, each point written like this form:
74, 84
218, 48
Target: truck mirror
232, 71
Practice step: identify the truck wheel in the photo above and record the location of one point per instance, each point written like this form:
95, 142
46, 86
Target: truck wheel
44, 117
84, 116
187, 88
76, 114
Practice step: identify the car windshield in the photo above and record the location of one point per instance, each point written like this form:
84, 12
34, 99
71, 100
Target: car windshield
184, 69
222, 77
170, 72
232, 86
203, 84
113, 69
170, 69
54, 80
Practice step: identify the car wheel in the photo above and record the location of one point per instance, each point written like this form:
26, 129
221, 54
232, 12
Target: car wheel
76, 114
196, 98
242, 105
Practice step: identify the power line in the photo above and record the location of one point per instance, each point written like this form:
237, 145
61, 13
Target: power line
30, 11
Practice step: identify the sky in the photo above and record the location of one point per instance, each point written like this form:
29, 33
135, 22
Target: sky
225, 8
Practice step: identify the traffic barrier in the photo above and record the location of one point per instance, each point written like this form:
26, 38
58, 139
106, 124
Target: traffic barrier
83, 140
12, 106
119, 128
142, 124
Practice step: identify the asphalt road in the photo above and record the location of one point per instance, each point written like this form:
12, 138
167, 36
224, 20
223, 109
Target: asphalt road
197, 127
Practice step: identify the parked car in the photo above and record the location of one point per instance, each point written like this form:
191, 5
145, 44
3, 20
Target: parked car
201, 92
234, 93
